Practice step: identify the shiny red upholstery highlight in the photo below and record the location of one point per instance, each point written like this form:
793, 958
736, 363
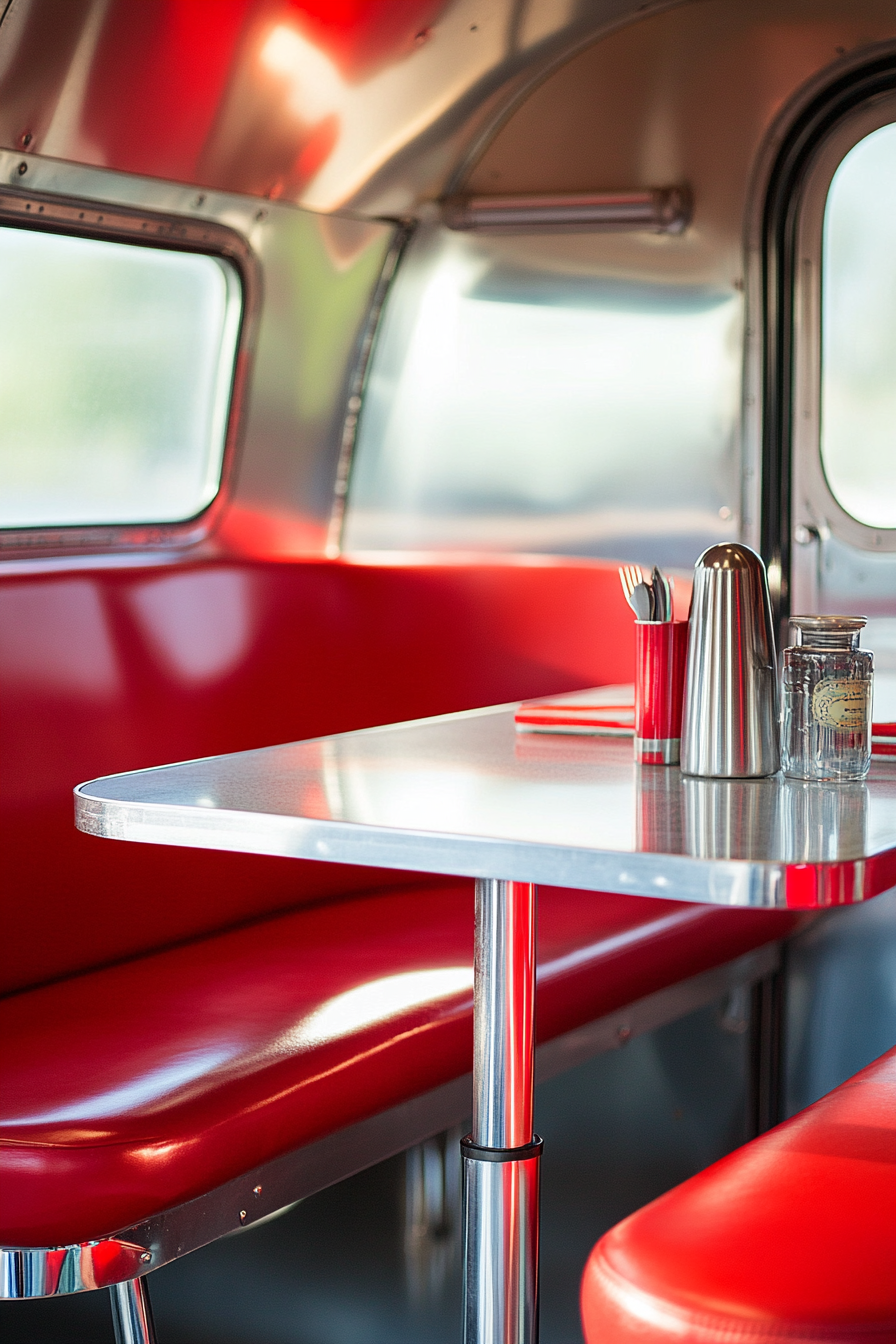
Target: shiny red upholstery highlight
792, 1237
133, 1088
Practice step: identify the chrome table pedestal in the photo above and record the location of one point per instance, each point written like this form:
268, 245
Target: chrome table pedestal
502, 1156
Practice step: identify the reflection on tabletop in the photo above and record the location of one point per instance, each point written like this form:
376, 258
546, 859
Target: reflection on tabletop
465, 792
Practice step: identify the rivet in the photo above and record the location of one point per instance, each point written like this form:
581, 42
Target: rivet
260, 215
146, 1257
623, 1034
200, 200
23, 168
257, 1191
243, 1215
26, 139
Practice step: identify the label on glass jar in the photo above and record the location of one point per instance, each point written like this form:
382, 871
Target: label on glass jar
841, 704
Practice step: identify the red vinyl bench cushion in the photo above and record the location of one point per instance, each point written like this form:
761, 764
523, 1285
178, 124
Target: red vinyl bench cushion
131, 1089
792, 1237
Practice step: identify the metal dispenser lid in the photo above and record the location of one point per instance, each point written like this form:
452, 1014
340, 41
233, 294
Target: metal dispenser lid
730, 721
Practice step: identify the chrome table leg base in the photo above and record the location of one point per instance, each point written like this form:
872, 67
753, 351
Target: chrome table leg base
132, 1313
501, 1192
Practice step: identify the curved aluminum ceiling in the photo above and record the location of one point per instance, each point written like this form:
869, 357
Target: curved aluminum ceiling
370, 105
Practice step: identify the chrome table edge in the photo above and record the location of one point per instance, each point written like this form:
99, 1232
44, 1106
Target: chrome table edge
728, 882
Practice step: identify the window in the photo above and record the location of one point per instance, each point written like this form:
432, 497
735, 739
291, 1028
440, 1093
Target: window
524, 397
831, 244
858, 331
116, 365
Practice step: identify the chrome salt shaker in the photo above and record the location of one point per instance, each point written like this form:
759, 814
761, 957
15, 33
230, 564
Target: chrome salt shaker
730, 724
826, 727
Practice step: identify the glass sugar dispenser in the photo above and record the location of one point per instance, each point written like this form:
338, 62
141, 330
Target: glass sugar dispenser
826, 726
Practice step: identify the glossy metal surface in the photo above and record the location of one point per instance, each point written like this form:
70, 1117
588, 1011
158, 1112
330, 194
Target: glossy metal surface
492, 346
503, 1014
501, 1197
68, 88
53, 1271
465, 795
432, 1219
319, 104
730, 723
725, 816
132, 1312
501, 1250
380, 105
666, 210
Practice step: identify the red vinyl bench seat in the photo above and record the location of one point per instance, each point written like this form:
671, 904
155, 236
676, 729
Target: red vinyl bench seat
131, 1089
792, 1237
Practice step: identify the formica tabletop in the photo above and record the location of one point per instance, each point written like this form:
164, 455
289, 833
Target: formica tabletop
466, 794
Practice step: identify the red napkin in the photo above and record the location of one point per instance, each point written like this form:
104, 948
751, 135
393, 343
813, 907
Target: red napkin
608, 711
604, 711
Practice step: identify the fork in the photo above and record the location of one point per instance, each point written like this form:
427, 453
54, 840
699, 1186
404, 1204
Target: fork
638, 593
630, 576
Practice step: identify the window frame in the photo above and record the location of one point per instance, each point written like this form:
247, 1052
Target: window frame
772, 345
814, 503
77, 218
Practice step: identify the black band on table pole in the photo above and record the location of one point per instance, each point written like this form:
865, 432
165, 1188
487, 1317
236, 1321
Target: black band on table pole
478, 1154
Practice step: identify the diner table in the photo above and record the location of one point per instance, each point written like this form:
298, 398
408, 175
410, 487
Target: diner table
468, 795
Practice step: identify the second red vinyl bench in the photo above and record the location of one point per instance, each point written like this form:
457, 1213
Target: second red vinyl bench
792, 1237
